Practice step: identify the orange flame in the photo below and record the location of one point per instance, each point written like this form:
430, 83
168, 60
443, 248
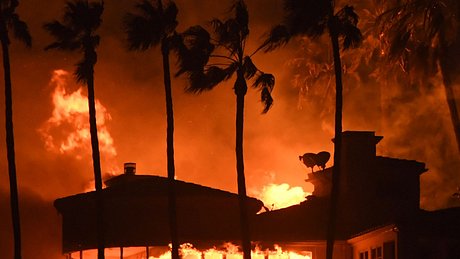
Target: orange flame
67, 130
187, 251
278, 196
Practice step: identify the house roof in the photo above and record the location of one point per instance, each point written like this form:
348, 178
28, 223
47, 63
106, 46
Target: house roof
305, 221
404, 165
135, 214
133, 186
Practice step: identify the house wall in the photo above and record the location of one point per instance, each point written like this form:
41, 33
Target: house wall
385, 239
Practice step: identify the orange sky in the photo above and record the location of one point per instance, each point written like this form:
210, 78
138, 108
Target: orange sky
129, 86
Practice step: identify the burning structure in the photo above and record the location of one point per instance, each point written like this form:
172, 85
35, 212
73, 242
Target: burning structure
378, 217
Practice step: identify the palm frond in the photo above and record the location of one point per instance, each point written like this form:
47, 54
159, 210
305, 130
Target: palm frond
227, 34
232, 32
150, 24
249, 68
193, 48
267, 99
242, 18
170, 18
147, 8
264, 80
307, 17
66, 38
20, 30
83, 15
348, 30
76, 32
81, 18
277, 37
206, 80
14, 23
230, 70
142, 33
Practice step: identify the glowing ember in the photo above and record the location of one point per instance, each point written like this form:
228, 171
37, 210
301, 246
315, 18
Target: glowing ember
277, 196
67, 130
187, 251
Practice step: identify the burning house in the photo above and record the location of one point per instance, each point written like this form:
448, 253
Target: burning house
378, 216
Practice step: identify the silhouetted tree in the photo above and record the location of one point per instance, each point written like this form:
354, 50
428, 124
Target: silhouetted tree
208, 62
155, 24
313, 18
76, 33
423, 35
10, 21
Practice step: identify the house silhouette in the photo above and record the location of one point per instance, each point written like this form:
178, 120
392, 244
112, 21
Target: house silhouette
379, 216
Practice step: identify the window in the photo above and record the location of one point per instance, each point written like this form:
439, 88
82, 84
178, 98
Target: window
376, 253
364, 255
389, 250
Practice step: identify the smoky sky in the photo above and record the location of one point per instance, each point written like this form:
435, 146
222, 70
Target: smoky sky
129, 85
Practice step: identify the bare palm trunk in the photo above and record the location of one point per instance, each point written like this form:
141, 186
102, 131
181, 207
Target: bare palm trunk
96, 168
332, 220
14, 196
240, 91
172, 204
448, 86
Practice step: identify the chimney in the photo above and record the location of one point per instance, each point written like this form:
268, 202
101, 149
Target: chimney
130, 168
358, 156
358, 146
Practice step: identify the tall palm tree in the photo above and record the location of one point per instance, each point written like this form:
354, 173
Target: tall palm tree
10, 21
313, 18
423, 35
76, 33
155, 24
208, 62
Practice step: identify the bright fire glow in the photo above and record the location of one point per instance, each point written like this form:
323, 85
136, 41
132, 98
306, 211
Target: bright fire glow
187, 251
278, 196
67, 130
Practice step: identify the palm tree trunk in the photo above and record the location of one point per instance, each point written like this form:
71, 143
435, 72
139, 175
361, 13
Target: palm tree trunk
331, 228
96, 168
172, 206
14, 196
448, 86
451, 102
240, 91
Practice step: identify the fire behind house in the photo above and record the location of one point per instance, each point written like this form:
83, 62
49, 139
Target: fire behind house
378, 215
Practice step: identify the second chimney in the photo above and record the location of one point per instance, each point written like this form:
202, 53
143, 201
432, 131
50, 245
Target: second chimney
130, 168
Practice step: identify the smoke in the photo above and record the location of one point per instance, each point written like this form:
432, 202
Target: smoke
40, 234
417, 126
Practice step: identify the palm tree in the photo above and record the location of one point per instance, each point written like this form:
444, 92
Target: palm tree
209, 61
422, 35
313, 18
9, 20
76, 33
155, 24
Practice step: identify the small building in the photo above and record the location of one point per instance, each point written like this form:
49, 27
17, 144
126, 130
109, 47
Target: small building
379, 216
135, 215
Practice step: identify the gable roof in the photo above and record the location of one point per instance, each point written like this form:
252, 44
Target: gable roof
135, 214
